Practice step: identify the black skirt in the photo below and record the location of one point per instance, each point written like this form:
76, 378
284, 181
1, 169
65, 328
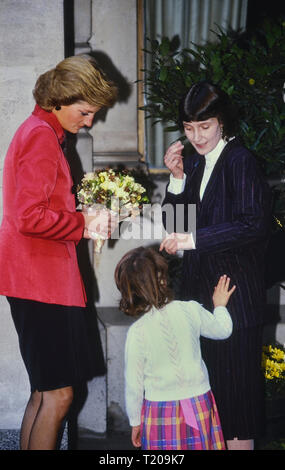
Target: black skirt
55, 343
237, 382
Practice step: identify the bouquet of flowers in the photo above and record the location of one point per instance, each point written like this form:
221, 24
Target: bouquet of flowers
273, 365
114, 190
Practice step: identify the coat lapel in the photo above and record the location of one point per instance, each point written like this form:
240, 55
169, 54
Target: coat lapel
210, 188
195, 177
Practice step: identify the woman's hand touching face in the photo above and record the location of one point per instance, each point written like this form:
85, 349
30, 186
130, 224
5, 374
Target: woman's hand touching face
173, 159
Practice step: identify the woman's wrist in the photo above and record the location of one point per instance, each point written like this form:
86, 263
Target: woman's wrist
178, 175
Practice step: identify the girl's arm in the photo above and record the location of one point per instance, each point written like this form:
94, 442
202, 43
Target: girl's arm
134, 374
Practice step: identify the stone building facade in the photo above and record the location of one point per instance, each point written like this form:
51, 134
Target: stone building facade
34, 36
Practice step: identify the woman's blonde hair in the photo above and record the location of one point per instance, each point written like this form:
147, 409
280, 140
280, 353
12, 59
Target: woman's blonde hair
142, 278
77, 78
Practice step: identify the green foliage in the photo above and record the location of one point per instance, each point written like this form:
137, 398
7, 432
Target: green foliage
250, 67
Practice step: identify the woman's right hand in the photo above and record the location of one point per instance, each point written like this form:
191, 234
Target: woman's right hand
173, 159
177, 241
103, 222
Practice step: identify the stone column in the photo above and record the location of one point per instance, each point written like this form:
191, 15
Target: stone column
82, 34
107, 30
114, 45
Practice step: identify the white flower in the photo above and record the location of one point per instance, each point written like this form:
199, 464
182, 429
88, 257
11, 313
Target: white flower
88, 176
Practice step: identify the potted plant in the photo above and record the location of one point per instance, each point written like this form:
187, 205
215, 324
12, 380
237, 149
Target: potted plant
273, 366
250, 67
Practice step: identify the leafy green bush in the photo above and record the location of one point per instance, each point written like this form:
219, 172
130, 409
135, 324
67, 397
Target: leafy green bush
250, 67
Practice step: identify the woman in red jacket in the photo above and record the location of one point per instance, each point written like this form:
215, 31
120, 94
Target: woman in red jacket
38, 236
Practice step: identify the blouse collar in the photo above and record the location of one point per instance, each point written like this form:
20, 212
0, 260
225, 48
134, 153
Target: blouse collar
212, 157
52, 120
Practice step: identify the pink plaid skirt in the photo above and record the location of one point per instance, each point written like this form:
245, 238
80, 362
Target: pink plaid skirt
163, 425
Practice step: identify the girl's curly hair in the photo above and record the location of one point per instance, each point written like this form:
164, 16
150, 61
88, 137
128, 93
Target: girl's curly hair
142, 278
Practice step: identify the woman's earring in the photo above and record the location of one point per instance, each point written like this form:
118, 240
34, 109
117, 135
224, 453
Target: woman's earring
58, 108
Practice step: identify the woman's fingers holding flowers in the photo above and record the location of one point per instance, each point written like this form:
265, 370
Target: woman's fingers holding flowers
102, 222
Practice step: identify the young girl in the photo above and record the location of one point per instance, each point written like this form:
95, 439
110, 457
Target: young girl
169, 402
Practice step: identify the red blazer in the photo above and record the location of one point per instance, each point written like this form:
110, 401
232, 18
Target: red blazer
40, 226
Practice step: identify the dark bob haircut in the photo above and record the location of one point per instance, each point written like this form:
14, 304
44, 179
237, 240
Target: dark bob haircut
142, 278
205, 100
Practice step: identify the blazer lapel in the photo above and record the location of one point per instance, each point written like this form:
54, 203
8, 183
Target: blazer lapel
195, 177
215, 173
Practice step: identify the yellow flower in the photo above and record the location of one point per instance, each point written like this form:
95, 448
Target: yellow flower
251, 81
103, 185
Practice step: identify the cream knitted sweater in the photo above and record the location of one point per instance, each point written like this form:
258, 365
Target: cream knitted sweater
162, 353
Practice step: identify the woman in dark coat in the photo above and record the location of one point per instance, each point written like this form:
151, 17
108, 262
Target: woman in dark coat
232, 220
